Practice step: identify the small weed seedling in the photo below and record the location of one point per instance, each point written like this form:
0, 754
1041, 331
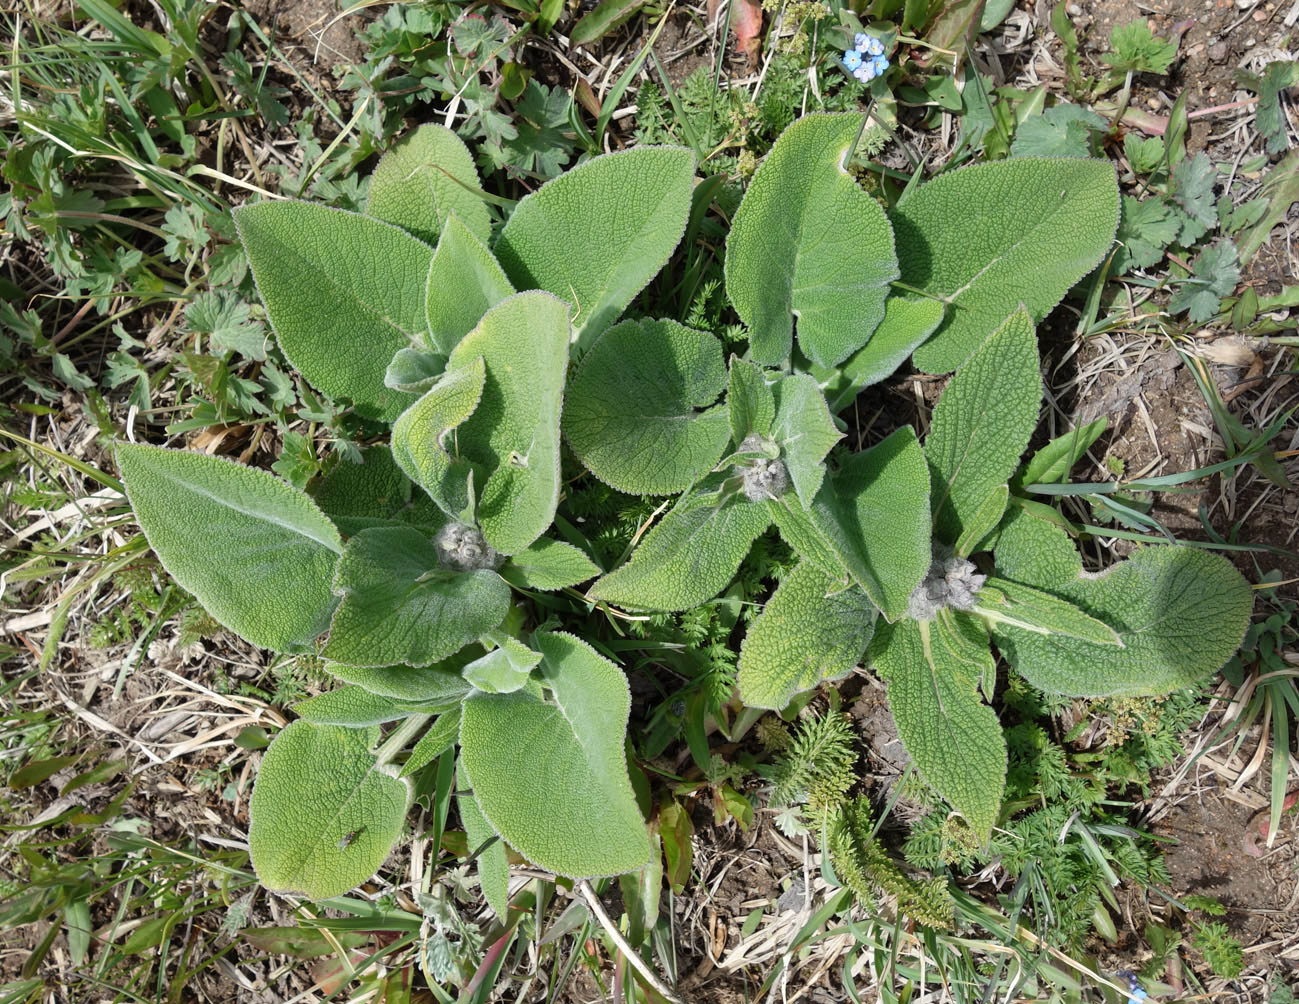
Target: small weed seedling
436, 577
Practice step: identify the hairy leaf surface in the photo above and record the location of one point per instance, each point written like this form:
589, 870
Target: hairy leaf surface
751, 403
441, 683
398, 606
343, 292
953, 737
422, 180
256, 552
572, 809
982, 424
804, 431
1180, 613
548, 564
642, 412
464, 282
596, 235
874, 514
908, 321
356, 707
422, 436
375, 492
998, 234
807, 242
513, 434
689, 557
324, 816
804, 636
493, 865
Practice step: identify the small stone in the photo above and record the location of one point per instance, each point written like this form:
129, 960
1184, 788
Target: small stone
1152, 103
1074, 10
1218, 52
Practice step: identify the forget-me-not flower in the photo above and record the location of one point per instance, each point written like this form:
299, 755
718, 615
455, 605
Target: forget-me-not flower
866, 60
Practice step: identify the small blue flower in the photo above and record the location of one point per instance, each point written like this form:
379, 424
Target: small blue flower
881, 64
874, 46
851, 60
862, 41
865, 73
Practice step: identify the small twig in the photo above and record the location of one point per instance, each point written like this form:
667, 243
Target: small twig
611, 929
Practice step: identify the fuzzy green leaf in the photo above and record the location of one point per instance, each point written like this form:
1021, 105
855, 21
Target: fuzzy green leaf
1015, 604
982, 521
571, 810
953, 737
256, 552
440, 737
441, 683
874, 514
908, 321
356, 707
807, 242
689, 557
422, 433
421, 181
375, 492
324, 815
504, 669
513, 434
642, 412
399, 607
1180, 613
996, 235
804, 635
493, 865
750, 401
464, 282
548, 564
596, 235
982, 424
414, 370
800, 532
804, 431
343, 292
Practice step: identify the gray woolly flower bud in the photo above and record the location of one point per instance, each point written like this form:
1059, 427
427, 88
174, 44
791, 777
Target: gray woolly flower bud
951, 582
463, 547
764, 478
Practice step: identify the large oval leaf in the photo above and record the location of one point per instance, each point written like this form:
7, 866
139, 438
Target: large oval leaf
552, 778
1180, 613
953, 737
874, 515
642, 411
427, 175
807, 242
596, 235
689, 557
343, 292
982, 425
995, 235
373, 492
399, 606
324, 815
513, 434
811, 630
256, 552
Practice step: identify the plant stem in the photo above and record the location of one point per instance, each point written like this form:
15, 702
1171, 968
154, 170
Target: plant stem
401, 735
611, 929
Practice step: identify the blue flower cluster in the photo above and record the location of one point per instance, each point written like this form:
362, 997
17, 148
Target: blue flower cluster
867, 60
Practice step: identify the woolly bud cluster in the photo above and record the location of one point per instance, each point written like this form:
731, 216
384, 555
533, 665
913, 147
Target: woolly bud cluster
764, 478
951, 582
463, 547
